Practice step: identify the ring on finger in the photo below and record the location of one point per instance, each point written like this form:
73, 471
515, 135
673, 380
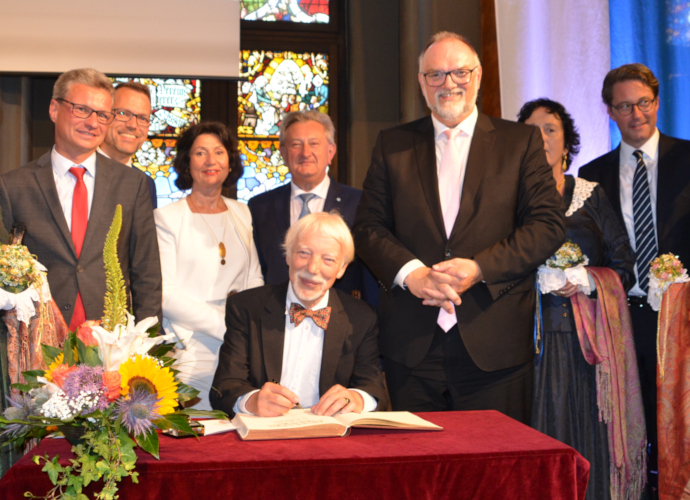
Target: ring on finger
347, 401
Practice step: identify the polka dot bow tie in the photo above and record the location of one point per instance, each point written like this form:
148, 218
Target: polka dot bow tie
321, 316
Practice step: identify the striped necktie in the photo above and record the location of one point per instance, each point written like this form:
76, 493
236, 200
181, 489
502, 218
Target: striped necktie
645, 236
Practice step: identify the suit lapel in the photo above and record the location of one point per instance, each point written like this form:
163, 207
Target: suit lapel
481, 151
333, 197
46, 181
333, 340
664, 188
425, 155
281, 205
101, 194
272, 328
611, 180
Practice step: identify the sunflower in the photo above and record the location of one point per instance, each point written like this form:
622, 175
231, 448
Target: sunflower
144, 373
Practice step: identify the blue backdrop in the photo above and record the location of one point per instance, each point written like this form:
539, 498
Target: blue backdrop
656, 33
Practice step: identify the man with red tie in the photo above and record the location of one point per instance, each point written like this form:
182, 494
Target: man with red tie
302, 342
67, 199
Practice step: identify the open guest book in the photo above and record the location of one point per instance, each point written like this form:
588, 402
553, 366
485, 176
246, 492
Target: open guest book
303, 423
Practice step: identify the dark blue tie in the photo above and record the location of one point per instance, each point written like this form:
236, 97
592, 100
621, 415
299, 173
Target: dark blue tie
645, 236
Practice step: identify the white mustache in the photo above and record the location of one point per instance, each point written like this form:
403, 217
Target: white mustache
448, 93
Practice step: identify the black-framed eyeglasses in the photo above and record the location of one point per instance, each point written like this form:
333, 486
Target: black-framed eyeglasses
124, 115
626, 108
438, 78
81, 111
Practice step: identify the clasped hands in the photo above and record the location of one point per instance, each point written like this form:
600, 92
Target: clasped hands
442, 284
274, 400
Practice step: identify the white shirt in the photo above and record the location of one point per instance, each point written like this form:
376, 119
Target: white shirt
628, 165
302, 354
65, 181
129, 160
315, 204
463, 141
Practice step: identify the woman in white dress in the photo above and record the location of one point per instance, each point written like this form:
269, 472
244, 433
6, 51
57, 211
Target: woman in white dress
207, 252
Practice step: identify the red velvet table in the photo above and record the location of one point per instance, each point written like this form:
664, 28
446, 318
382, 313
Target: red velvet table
481, 454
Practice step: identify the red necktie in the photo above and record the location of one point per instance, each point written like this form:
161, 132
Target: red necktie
80, 219
321, 317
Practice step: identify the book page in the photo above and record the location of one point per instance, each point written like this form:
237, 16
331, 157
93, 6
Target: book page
216, 426
291, 420
392, 419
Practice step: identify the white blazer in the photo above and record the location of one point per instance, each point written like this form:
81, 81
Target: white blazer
191, 265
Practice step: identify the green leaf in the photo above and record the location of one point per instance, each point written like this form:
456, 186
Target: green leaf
149, 442
186, 392
192, 412
160, 350
53, 468
70, 342
174, 421
88, 355
50, 353
25, 387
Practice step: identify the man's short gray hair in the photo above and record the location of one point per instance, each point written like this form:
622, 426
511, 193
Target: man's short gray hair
86, 76
445, 35
305, 116
326, 224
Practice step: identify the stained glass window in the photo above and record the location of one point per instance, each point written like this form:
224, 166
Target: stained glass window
678, 30
296, 11
175, 104
277, 83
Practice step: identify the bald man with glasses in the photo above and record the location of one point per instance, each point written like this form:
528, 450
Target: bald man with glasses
67, 199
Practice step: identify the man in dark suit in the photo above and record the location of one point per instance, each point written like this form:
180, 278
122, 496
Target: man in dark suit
302, 342
67, 199
130, 128
653, 169
307, 144
458, 211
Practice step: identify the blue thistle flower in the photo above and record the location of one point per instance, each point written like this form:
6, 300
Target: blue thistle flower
138, 411
20, 407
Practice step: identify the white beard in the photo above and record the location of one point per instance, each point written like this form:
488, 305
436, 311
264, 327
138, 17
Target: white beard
453, 111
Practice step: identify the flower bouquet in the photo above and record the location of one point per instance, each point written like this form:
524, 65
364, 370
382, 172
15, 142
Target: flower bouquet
567, 264
108, 390
665, 270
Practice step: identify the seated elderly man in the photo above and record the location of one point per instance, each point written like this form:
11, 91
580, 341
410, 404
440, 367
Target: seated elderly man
301, 342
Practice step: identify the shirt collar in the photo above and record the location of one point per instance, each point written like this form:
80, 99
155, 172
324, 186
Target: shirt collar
129, 163
62, 165
321, 190
292, 298
649, 148
467, 125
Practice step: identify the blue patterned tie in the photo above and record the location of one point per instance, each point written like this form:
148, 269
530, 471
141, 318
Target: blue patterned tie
645, 236
306, 197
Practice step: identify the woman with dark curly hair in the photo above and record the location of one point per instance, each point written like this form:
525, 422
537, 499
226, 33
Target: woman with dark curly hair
207, 251
565, 386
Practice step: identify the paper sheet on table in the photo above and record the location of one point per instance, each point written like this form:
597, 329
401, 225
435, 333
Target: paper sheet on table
216, 426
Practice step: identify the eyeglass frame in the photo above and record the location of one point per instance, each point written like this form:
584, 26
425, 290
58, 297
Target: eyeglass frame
450, 73
632, 106
138, 117
92, 111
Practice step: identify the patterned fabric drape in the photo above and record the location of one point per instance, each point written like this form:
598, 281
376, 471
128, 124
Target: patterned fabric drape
673, 393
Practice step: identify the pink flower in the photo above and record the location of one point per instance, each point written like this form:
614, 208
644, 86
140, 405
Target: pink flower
676, 263
655, 266
663, 276
84, 333
60, 372
112, 382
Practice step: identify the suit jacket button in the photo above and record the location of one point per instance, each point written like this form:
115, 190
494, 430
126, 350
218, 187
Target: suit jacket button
80, 269
68, 306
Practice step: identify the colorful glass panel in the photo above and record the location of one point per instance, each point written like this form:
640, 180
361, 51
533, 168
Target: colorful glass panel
175, 105
277, 83
295, 11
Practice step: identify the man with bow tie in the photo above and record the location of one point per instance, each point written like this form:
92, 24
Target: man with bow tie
301, 342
